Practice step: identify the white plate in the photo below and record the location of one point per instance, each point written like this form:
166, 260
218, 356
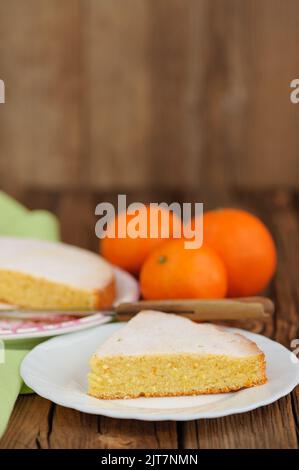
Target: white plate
127, 290
57, 370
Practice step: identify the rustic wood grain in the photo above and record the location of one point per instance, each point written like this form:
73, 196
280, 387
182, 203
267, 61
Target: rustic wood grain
223, 96
76, 213
286, 221
70, 429
177, 47
295, 394
270, 142
117, 92
40, 122
29, 425
270, 427
133, 434
109, 94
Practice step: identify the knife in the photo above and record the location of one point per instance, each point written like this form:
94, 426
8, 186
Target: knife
195, 309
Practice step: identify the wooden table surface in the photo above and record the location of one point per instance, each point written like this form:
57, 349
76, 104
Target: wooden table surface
38, 423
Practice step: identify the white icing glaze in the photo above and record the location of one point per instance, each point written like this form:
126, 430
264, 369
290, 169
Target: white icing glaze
55, 261
152, 332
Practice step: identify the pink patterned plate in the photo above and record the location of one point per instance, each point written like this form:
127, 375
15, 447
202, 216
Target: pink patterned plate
127, 290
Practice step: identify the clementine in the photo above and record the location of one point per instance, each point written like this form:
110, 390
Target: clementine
246, 247
129, 253
173, 272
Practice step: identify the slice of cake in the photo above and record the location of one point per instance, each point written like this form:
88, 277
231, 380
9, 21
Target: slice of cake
40, 274
160, 354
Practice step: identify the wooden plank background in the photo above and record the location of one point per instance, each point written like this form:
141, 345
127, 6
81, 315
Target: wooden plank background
128, 94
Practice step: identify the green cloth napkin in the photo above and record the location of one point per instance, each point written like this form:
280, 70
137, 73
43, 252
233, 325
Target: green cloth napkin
16, 220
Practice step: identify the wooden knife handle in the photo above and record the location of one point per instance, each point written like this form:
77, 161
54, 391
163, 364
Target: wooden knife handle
267, 303
203, 310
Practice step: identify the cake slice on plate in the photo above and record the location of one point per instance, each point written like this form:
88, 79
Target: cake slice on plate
46, 275
160, 354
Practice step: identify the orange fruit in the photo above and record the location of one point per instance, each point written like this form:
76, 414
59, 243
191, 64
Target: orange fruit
129, 253
246, 247
173, 272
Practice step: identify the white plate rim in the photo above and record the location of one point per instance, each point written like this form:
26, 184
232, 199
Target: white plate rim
163, 415
81, 324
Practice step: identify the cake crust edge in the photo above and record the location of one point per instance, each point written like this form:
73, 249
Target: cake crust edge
105, 296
